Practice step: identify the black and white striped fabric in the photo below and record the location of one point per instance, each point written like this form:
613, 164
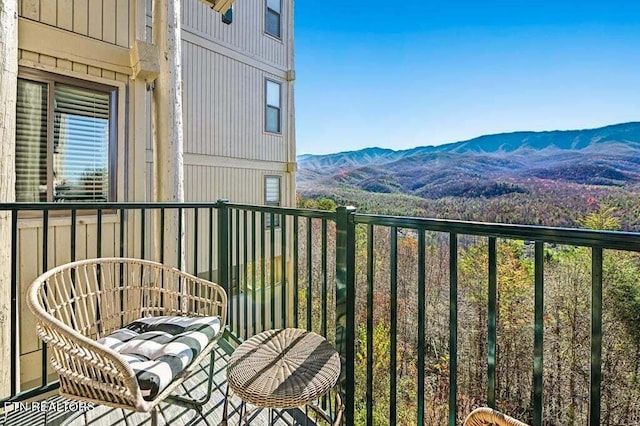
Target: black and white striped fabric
159, 348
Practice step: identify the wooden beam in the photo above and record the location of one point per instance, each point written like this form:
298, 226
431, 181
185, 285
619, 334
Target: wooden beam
61, 44
220, 6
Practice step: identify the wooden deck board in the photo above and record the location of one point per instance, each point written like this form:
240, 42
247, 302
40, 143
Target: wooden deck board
170, 414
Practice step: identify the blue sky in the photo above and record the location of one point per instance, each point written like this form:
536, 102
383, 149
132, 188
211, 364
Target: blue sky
437, 71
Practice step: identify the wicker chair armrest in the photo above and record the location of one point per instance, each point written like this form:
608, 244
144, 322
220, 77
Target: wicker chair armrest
80, 358
210, 297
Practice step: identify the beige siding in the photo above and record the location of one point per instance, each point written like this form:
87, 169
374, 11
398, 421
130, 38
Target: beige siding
246, 34
240, 185
237, 184
106, 20
224, 114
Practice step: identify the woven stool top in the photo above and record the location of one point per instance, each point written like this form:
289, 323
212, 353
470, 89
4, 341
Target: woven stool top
283, 368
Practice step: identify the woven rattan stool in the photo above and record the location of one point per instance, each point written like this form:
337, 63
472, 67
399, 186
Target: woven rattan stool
284, 368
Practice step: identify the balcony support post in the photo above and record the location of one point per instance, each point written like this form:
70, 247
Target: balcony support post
168, 139
345, 306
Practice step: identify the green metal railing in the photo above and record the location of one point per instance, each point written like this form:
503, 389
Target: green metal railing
597, 241
298, 268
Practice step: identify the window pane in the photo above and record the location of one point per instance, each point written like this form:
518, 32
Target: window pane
31, 142
273, 119
81, 145
273, 94
274, 5
273, 23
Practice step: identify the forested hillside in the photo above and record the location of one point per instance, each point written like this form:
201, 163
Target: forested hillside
544, 178
587, 179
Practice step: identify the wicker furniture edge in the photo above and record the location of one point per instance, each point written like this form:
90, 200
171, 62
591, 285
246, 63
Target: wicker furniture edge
486, 416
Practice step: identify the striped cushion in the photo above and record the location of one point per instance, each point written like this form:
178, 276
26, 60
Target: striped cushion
160, 348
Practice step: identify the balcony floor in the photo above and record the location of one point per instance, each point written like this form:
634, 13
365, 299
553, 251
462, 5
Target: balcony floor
170, 414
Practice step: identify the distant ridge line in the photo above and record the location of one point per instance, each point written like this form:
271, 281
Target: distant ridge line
628, 127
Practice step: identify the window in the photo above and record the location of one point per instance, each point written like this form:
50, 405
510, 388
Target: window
273, 119
273, 24
272, 198
64, 141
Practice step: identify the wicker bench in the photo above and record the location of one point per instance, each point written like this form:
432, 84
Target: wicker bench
126, 332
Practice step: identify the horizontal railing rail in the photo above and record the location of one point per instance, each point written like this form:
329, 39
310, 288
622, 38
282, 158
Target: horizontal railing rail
570, 236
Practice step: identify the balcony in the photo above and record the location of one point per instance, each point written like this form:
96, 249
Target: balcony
431, 317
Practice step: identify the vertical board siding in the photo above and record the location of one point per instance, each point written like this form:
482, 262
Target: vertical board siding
105, 20
224, 114
30, 237
29, 9
123, 24
65, 14
245, 186
109, 16
204, 183
95, 19
81, 17
48, 12
245, 33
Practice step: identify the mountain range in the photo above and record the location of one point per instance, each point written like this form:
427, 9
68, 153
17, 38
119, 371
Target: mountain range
487, 166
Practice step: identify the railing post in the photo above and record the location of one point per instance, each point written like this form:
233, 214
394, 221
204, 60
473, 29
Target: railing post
223, 244
595, 392
345, 306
